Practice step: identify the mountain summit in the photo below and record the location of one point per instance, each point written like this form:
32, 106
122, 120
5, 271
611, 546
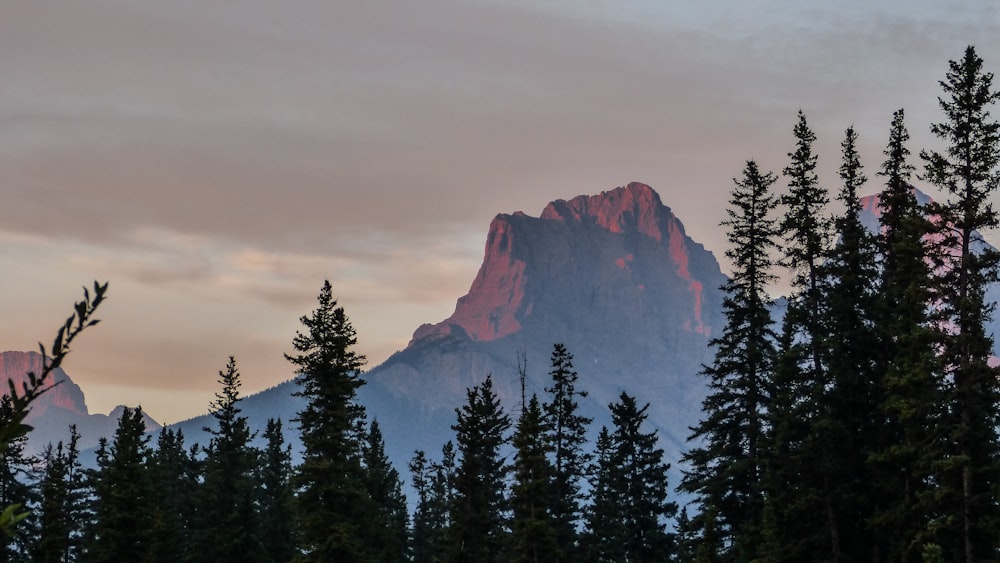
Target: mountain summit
612, 276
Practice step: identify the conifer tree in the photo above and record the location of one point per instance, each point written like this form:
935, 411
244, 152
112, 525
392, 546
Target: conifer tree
725, 471
227, 519
566, 436
533, 535
16, 475
603, 539
386, 530
332, 500
900, 463
968, 172
846, 424
276, 498
628, 518
174, 473
477, 530
60, 512
434, 484
122, 522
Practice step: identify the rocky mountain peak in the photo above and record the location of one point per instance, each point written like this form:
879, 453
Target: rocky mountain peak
14, 366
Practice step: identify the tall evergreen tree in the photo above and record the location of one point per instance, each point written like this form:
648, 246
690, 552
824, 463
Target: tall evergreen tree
276, 498
332, 502
800, 379
60, 512
846, 424
566, 436
533, 534
434, 485
227, 518
477, 531
968, 171
386, 530
122, 525
726, 468
630, 510
174, 473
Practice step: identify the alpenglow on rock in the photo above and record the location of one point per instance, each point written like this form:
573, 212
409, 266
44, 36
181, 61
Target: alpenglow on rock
613, 276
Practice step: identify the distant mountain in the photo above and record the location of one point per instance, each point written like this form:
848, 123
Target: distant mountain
55, 410
612, 276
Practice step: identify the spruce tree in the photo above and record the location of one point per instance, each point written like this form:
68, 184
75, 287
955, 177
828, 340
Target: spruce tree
227, 520
725, 469
276, 499
967, 171
533, 534
174, 473
332, 501
477, 531
565, 437
846, 424
434, 485
60, 512
122, 522
386, 530
630, 510
906, 446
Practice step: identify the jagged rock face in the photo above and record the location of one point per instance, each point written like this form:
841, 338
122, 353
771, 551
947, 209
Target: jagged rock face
56, 409
14, 366
613, 276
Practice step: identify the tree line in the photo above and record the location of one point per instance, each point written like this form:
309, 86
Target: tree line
859, 425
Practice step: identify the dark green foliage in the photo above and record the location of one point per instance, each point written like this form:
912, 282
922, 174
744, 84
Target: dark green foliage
385, 533
566, 436
846, 427
533, 533
725, 470
275, 507
434, 484
628, 518
174, 474
121, 486
227, 526
968, 171
906, 444
332, 500
476, 534
16, 472
60, 512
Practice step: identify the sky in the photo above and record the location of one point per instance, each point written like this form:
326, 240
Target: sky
216, 160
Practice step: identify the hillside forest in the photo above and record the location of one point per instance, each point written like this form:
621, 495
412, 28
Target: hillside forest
860, 425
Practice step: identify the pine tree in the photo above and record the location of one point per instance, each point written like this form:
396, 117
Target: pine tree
968, 171
533, 534
276, 502
174, 473
604, 536
434, 484
846, 424
332, 501
725, 471
227, 518
801, 377
122, 523
386, 530
566, 436
905, 445
476, 534
60, 512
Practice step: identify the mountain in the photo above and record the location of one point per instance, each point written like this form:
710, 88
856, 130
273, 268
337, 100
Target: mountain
612, 276
56, 409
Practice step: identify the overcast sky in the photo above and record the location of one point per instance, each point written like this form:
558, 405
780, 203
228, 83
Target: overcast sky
216, 160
